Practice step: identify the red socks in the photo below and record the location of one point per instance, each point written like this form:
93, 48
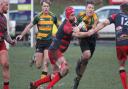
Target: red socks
6, 85
46, 79
56, 78
42, 81
123, 77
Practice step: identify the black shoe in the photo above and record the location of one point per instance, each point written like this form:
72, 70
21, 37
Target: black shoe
32, 86
76, 83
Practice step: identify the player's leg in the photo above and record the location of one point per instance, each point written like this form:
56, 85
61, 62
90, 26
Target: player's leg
87, 48
45, 64
39, 54
82, 62
5, 68
122, 56
52, 56
38, 59
63, 70
81, 66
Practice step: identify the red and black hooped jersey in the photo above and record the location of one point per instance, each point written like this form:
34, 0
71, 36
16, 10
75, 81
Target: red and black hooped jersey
3, 25
63, 37
121, 28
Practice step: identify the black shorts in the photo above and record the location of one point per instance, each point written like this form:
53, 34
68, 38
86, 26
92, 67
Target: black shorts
42, 45
88, 43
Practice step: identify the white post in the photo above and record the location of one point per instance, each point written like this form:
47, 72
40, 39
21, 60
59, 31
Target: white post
32, 30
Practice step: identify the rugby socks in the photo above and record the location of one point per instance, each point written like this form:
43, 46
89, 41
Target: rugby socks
42, 81
55, 79
123, 77
6, 85
43, 75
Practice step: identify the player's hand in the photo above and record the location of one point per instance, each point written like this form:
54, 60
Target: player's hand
76, 29
75, 20
13, 42
91, 32
82, 24
19, 37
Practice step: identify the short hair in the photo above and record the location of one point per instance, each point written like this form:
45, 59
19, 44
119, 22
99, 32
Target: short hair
124, 7
47, 1
89, 2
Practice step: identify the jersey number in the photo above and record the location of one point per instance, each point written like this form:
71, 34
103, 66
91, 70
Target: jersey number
124, 21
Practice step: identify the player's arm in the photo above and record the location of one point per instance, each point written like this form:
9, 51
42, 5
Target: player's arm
82, 34
92, 31
102, 25
56, 21
55, 27
8, 38
6, 35
27, 28
108, 21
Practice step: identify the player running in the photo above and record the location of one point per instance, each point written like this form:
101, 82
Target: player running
44, 21
87, 44
121, 30
59, 45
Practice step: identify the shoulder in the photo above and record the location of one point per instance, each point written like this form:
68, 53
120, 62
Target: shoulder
81, 14
38, 15
95, 16
52, 14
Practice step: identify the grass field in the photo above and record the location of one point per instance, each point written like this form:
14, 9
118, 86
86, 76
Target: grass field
101, 73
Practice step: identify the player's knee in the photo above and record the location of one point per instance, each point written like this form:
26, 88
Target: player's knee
5, 65
86, 56
84, 60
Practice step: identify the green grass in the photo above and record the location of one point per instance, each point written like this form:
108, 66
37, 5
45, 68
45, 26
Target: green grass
101, 73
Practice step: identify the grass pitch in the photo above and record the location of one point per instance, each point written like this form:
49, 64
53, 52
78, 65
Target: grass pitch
101, 73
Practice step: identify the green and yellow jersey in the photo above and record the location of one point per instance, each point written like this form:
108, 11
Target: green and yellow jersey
45, 25
89, 21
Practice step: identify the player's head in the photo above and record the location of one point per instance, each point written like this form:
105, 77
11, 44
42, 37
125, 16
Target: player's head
124, 7
89, 8
45, 5
70, 13
4, 4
